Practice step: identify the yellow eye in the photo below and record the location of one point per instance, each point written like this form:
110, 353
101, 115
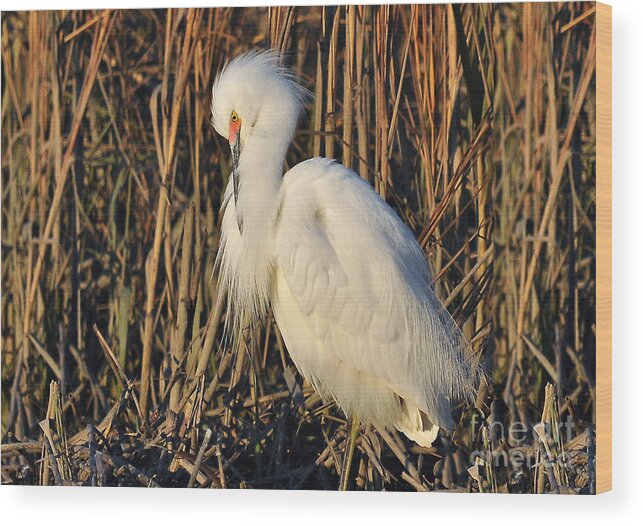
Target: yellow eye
234, 117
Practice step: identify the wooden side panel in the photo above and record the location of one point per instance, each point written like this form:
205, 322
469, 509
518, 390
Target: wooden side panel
604, 248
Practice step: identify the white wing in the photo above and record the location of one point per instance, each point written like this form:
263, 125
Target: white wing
353, 300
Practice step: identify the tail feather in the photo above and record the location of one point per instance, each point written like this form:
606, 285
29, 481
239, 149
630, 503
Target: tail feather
416, 425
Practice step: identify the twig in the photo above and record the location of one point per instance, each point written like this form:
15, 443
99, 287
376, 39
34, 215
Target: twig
199, 458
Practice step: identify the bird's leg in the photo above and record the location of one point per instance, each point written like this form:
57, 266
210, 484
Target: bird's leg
348, 454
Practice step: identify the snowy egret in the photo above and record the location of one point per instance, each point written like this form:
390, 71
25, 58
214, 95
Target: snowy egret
348, 284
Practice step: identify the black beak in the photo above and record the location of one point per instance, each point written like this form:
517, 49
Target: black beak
236, 152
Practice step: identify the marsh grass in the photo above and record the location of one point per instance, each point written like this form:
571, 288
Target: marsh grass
475, 122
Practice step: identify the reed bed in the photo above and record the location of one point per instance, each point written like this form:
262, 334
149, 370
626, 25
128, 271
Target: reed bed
475, 122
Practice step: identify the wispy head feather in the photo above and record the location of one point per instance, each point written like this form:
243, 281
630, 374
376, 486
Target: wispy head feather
261, 90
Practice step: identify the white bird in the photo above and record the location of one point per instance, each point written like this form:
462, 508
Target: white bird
348, 284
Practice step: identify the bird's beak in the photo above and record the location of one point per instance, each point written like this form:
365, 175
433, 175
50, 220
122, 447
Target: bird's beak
234, 138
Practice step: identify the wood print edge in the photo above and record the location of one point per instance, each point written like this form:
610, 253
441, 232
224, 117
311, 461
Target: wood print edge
603, 248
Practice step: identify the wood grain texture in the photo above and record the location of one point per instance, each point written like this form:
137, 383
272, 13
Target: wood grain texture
604, 248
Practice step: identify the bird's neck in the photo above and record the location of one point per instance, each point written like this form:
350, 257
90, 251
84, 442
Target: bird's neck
260, 175
245, 257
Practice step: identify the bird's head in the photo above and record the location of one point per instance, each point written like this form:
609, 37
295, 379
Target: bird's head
254, 98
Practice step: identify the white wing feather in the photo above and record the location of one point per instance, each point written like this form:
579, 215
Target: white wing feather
352, 297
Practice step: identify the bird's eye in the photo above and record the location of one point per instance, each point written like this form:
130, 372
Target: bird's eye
234, 117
